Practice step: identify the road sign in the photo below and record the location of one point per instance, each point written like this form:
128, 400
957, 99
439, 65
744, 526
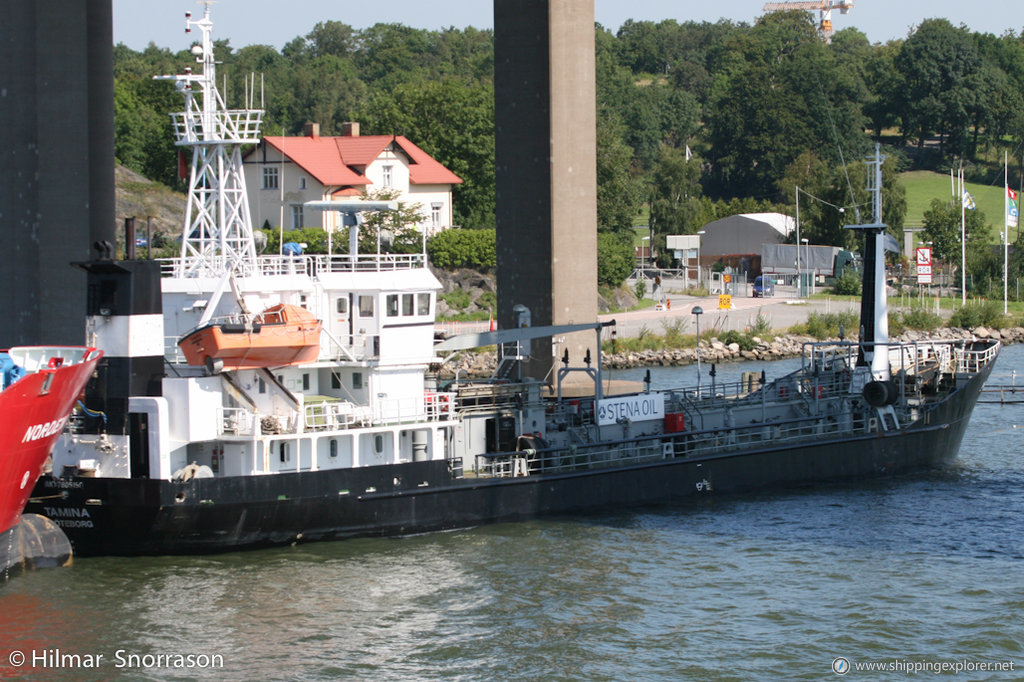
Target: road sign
924, 265
725, 302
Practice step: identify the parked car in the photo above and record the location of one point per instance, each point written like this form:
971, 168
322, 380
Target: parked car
763, 286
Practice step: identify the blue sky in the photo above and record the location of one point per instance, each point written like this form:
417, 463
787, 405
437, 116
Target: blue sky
276, 22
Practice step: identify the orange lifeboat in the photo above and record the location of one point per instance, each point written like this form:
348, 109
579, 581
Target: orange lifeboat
279, 336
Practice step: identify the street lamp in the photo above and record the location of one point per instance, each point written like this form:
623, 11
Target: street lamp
798, 241
697, 311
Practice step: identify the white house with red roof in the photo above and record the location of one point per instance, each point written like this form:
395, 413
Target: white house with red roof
282, 173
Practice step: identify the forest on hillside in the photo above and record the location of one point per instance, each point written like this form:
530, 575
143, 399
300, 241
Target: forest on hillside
696, 121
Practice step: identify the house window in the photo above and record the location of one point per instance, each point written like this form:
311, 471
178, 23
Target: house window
296, 216
270, 177
302, 182
365, 306
422, 304
357, 381
392, 301
387, 176
435, 215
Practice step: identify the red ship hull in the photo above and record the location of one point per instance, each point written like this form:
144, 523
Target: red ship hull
34, 410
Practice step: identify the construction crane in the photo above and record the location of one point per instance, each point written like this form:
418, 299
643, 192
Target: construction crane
824, 8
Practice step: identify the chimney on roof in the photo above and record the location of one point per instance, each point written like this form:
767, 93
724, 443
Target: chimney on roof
311, 130
350, 129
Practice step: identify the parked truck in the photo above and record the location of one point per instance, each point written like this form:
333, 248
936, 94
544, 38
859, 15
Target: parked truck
824, 263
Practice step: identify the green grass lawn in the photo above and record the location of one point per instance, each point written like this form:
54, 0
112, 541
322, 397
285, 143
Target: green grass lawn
923, 186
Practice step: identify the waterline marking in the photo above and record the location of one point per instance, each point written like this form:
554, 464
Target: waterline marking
842, 665
121, 659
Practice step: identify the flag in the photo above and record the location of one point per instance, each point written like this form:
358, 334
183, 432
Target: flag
969, 201
1012, 208
689, 154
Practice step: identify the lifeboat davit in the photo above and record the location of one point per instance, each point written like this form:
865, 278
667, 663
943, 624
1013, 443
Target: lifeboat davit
279, 336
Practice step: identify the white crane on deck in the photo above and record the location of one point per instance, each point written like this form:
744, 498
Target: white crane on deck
824, 7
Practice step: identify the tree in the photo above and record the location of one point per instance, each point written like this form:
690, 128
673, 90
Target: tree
393, 231
675, 191
942, 228
615, 258
787, 94
884, 86
619, 193
453, 121
939, 67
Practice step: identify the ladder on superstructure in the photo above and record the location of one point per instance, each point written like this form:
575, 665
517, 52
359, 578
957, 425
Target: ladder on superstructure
217, 235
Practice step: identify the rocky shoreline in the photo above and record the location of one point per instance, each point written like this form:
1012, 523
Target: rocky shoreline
713, 350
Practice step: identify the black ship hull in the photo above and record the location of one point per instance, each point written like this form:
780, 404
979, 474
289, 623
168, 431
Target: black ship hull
138, 516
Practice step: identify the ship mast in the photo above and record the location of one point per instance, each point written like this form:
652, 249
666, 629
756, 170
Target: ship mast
874, 312
217, 235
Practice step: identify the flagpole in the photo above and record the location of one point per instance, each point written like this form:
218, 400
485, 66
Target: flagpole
1006, 231
963, 239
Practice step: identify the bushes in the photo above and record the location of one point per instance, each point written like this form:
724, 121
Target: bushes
826, 326
919, 319
453, 249
848, 285
615, 259
971, 315
744, 341
476, 249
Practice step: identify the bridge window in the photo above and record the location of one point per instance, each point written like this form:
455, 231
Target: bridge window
366, 306
407, 300
422, 304
392, 305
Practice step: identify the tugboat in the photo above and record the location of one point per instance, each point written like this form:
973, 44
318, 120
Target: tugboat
38, 389
362, 440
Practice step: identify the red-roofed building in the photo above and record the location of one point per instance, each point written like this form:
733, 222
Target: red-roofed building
282, 173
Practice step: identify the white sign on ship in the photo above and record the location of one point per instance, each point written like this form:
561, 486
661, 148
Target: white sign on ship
632, 407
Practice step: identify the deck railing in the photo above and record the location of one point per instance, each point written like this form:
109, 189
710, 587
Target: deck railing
655, 448
308, 265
